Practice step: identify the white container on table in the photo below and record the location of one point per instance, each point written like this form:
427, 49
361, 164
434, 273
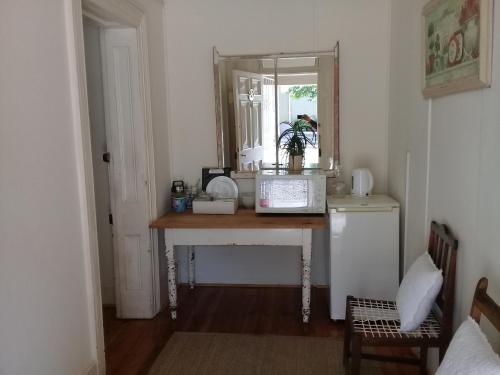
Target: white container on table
215, 207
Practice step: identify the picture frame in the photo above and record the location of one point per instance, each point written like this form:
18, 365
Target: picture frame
457, 43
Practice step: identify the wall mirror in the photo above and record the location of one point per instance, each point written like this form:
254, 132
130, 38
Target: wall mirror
258, 96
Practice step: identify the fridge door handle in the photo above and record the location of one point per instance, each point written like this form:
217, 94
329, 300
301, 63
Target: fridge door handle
364, 209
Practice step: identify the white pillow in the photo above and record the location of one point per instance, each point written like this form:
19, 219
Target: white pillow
417, 292
469, 353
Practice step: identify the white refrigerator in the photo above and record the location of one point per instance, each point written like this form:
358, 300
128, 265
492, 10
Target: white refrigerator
364, 249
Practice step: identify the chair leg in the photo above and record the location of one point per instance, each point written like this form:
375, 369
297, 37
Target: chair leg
423, 360
347, 332
347, 341
356, 355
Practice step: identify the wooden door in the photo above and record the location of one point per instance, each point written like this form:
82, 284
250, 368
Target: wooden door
125, 128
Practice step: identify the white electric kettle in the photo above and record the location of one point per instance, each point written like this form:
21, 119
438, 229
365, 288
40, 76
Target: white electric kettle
362, 182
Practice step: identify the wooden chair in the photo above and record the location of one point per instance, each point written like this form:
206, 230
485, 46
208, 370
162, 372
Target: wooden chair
376, 323
484, 304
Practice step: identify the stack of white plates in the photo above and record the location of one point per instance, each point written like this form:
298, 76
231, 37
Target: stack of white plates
222, 187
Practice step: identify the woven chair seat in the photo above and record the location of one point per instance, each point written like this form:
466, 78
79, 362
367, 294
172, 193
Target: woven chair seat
380, 319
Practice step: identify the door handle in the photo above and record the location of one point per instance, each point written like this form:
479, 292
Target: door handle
106, 157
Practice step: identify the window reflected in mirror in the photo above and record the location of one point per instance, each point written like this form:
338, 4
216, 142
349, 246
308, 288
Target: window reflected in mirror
298, 100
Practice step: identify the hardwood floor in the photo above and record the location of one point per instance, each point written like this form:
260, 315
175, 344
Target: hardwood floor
132, 345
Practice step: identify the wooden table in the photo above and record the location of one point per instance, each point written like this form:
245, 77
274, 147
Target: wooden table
244, 228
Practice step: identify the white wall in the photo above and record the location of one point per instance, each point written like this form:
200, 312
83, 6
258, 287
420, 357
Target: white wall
93, 65
408, 123
464, 158
303, 105
239, 27
243, 27
44, 318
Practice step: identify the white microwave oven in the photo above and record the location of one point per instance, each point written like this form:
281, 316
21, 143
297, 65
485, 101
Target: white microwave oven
281, 191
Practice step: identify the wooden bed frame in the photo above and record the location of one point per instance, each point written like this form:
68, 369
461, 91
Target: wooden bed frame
483, 304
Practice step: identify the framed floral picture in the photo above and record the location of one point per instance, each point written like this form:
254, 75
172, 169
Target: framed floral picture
457, 46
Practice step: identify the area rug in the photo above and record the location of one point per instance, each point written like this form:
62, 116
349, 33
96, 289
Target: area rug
189, 353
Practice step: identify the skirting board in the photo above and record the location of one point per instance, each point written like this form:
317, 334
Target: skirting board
91, 369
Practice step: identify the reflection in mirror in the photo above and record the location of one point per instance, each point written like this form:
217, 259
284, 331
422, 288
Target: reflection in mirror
258, 98
298, 100
247, 113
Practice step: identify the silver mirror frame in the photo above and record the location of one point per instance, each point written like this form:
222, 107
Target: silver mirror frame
218, 103
218, 110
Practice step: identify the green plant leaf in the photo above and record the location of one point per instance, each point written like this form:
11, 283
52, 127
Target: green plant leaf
295, 138
308, 91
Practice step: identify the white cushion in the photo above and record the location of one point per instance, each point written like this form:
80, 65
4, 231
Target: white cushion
469, 353
417, 292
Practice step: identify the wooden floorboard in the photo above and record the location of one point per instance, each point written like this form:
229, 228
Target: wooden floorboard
133, 345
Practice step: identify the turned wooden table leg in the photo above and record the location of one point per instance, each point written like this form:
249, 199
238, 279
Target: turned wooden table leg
191, 266
306, 274
171, 272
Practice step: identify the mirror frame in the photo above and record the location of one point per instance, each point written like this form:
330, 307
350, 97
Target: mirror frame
218, 102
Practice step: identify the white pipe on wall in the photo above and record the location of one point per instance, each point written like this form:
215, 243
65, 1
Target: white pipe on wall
428, 171
403, 260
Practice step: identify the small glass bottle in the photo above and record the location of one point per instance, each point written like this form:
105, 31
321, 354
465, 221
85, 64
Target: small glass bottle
339, 187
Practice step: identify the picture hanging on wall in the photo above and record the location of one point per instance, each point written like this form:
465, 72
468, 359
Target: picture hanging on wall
457, 46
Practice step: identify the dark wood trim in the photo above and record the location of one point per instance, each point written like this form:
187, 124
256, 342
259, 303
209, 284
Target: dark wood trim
483, 304
443, 249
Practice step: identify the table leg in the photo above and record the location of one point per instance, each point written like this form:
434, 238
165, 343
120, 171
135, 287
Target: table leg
191, 265
172, 285
306, 274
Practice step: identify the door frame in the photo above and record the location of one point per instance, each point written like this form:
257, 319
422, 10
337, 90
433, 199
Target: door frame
107, 13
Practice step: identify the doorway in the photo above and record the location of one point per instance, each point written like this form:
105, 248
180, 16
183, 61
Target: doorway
95, 92
120, 170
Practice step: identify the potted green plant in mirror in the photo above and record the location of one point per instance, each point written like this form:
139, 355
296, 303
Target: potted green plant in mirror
294, 141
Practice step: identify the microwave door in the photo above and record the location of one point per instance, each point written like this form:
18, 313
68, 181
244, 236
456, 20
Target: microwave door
289, 193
